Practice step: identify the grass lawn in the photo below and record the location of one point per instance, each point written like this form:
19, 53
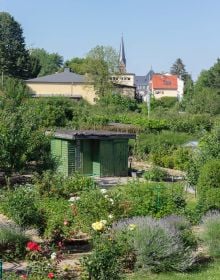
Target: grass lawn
210, 272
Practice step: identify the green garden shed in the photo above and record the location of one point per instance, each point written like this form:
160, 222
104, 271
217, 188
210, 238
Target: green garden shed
89, 152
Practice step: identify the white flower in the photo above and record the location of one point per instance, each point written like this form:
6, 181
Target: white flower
111, 200
103, 191
74, 198
110, 216
53, 256
106, 196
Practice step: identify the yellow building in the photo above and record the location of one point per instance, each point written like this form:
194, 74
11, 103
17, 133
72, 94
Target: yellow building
62, 84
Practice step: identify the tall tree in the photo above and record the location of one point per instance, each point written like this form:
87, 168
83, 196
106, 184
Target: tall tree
49, 62
102, 62
14, 58
178, 68
209, 78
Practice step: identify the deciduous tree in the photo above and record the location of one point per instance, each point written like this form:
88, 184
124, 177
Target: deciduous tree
49, 62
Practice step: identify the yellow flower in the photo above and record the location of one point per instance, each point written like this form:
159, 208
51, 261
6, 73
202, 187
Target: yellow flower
132, 227
98, 226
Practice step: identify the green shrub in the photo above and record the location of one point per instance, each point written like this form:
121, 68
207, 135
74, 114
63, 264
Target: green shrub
211, 232
77, 183
91, 207
181, 158
104, 263
49, 183
58, 218
21, 206
56, 185
191, 123
165, 102
141, 199
209, 184
155, 174
160, 144
12, 242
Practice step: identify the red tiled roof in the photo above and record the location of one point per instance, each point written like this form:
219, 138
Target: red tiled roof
160, 81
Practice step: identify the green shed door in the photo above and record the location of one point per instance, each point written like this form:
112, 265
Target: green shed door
107, 158
95, 149
87, 157
121, 157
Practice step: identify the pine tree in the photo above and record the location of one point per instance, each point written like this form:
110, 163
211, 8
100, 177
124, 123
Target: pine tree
14, 58
178, 68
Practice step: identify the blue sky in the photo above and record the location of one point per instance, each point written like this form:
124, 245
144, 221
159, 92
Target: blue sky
156, 32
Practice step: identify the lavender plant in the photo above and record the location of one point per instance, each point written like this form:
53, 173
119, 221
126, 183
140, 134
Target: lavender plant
211, 232
157, 243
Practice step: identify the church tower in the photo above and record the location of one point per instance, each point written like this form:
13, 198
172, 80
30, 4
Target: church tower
122, 59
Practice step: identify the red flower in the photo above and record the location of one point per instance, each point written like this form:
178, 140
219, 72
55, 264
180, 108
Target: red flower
33, 246
50, 275
24, 276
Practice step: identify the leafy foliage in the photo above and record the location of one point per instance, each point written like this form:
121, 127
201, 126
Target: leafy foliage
21, 206
14, 58
209, 184
104, 262
48, 63
155, 174
155, 199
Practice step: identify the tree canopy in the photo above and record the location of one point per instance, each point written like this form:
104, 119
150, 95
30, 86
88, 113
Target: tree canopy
102, 62
210, 78
14, 58
49, 62
77, 65
178, 68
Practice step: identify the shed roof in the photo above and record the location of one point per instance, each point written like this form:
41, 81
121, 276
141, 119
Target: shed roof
64, 77
90, 134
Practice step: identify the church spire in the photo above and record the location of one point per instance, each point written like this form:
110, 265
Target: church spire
122, 59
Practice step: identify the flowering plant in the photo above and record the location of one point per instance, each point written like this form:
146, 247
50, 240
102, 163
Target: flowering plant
50, 275
99, 226
33, 246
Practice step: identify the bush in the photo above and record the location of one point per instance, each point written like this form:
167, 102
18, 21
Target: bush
191, 123
56, 185
183, 227
104, 262
21, 206
58, 218
158, 244
159, 144
91, 207
211, 232
12, 242
209, 185
155, 174
141, 199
